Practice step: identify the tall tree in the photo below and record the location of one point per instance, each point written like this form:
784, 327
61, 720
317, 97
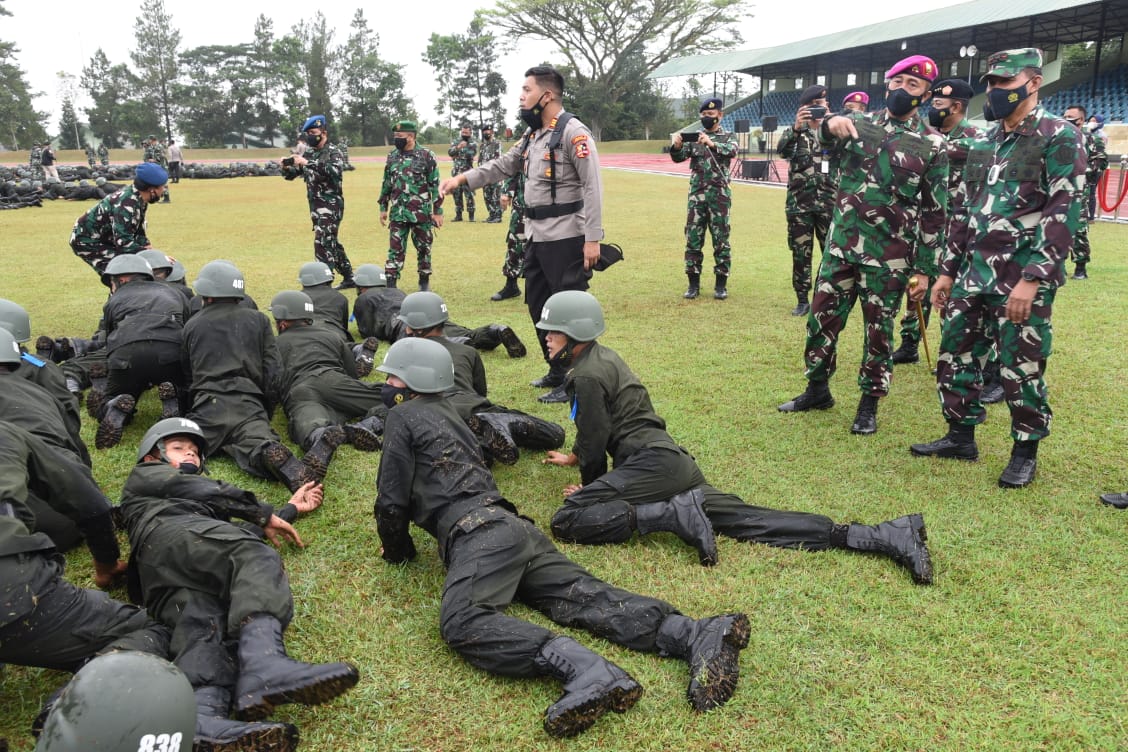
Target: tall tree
116, 113
614, 32
68, 126
371, 90
444, 54
317, 63
217, 79
479, 86
268, 81
155, 58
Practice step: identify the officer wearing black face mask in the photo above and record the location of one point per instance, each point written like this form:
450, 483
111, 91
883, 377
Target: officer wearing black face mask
410, 200
116, 224
563, 199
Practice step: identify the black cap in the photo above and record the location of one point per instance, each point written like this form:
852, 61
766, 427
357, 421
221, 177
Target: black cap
811, 93
953, 88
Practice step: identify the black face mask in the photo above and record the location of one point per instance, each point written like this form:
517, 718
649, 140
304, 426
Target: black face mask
313, 140
562, 359
532, 118
936, 118
152, 199
1005, 101
189, 468
708, 122
900, 102
401, 143
393, 395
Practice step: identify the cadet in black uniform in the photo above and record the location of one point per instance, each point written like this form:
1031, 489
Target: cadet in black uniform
432, 474
656, 485
330, 307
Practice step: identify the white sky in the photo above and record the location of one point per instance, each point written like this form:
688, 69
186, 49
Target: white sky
54, 37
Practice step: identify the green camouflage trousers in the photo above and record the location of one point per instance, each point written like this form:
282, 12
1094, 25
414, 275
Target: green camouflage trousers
802, 230
422, 236
491, 195
1081, 252
971, 325
839, 285
327, 249
514, 265
910, 323
712, 212
463, 193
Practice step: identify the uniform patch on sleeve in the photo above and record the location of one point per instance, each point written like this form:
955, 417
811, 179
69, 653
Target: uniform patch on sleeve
579, 138
582, 150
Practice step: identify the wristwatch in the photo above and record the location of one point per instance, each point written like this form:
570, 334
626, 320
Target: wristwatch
1030, 277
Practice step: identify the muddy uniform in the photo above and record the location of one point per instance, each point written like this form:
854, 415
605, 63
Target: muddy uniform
330, 307
144, 321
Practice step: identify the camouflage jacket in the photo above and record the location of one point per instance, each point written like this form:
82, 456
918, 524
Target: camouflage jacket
103, 151
117, 222
1023, 206
463, 158
322, 174
490, 150
1097, 152
959, 140
709, 168
514, 187
410, 192
156, 153
809, 184
34, 156
892, 200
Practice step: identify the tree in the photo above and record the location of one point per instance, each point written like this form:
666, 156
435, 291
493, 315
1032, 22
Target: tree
267, 80
603, 40
479, 86
116, 114
155, 57
317, 63
443, 54
68, 126
371, 90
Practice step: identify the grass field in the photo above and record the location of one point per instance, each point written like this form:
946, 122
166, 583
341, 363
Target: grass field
1018, 646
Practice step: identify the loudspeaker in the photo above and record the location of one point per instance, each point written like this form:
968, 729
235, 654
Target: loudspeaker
753, 169
741, 126
769, 124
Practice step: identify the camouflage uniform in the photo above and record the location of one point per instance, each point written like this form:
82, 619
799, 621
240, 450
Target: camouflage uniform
155, 152
104, 155
1021, 222
810, 200
463, 161
34, 163
325, 192
514, 265
491, 192
114, 225
710, 200
344, 145
889, 222
1097, 163
410, 195
89, 155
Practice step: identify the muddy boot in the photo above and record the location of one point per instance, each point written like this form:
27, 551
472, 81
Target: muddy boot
537, 434
720, 287
694, 288
324, 445
593, 685
215, 732
365, 356
494, 437
40, 720
267, 677
513, 345
511, 290
364, 435
816, 397
99, 381
280, 462
115, 415
903, 540
908, 352
45, 349
170, 400
684, 516
390, 281
712, 648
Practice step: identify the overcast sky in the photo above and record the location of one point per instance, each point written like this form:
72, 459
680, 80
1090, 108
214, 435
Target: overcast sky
54, 37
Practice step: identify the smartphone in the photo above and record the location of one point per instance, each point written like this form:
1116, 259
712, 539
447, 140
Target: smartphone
816, 113
288, 162
690, 138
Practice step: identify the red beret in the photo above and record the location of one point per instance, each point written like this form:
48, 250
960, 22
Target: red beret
915, 65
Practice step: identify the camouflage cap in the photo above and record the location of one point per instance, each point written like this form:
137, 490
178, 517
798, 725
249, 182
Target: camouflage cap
405, 126
711, 103
1009, 63
953, 88
314, 121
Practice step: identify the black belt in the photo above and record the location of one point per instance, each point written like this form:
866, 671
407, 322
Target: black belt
553, 210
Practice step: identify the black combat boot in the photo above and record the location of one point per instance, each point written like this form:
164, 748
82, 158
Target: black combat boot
908, 352
556, 396
1079, 271
712, 648
1023, 465
802, 307
424, 282
903, 540
684, 516
957, 444
865, 420
720, 287
364, 435
390, 282
554, 378
348, 283
280, 462
323, 445
508, 338
457, 217
593, 685
365, 356
494, 438
1118, 500
170, 400
99, 382
267, 677
511, 290
537, 434
816, 397
45, 349
215, 732
115, 415
694, 288
470, 215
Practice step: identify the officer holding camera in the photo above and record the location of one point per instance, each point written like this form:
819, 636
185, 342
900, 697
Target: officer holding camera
810, 190
710, 198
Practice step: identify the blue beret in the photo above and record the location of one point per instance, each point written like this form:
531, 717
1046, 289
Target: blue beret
151, 173
712, 103
315, 121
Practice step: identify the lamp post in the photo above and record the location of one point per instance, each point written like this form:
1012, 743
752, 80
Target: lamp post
969, 52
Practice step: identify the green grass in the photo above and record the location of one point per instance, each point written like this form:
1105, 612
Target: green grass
1018, 645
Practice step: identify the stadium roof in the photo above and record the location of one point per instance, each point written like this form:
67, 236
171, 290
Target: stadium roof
990, 25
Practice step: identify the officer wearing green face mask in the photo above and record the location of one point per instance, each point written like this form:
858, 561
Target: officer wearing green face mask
410, 199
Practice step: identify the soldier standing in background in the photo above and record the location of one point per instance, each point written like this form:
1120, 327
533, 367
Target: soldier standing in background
89, 155
175, 159
810, 191
410, 200
514, 266
1025, 184
104, 155
491, 193
155, 152
888, 225
1097, 158
34, 162
321, 167
462, 154
710, 198
855, 101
